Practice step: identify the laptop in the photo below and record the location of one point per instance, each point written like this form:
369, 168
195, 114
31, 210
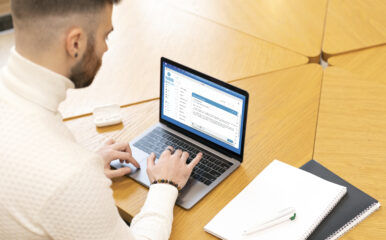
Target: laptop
198, 113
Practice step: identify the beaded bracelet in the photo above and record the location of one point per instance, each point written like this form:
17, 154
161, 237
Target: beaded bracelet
166, 181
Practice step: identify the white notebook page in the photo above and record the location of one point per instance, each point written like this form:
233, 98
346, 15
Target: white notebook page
277, 187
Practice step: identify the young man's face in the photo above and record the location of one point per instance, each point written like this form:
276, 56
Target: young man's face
83, 74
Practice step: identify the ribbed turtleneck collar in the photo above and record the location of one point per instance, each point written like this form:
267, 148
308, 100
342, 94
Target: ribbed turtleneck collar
35, 83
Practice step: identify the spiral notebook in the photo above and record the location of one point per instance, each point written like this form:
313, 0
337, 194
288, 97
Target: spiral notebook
277, 187
351, 210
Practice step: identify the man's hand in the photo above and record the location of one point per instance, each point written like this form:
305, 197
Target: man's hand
171, 166
112, 151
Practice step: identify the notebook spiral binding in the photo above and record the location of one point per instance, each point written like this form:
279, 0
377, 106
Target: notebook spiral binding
355, 221
330, 208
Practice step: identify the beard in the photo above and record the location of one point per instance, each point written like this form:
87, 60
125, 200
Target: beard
83, 73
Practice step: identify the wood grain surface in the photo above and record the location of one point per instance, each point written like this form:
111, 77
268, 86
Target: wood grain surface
351, 140
369, 63
297, 24
145, 30
353, 25
5, 7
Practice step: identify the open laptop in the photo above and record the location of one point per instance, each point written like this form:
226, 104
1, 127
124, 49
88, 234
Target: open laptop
197, 114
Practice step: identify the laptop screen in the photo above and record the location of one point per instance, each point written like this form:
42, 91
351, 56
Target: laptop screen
202, 107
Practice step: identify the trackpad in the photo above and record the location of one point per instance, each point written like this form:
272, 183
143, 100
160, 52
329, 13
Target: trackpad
189, 185
140, 175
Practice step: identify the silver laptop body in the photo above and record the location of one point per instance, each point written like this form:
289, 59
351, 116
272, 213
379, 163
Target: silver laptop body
223, 154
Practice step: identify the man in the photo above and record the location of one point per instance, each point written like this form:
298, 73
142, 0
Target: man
51, 187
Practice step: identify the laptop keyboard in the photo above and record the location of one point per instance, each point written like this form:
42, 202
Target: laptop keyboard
207, 170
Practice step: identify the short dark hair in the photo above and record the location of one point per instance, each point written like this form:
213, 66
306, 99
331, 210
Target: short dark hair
27, 9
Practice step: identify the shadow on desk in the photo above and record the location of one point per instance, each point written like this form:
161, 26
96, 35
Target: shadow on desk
6, 22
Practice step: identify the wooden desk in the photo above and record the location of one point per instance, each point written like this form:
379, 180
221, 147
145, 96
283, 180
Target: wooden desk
281, 125
145, 30
297, 24
369, 63
354, 24
351, 140
5, 7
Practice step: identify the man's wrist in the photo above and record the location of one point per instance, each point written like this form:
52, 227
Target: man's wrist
165, 181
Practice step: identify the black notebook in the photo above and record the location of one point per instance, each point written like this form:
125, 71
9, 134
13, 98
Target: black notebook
354, 207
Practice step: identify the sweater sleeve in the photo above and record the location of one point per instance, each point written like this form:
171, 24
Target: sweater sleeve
155, 219
84, 208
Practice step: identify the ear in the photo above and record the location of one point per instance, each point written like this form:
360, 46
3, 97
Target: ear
75, 42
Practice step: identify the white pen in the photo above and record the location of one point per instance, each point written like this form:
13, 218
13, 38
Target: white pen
287, 214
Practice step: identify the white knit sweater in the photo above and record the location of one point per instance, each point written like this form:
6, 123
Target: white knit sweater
50, 186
